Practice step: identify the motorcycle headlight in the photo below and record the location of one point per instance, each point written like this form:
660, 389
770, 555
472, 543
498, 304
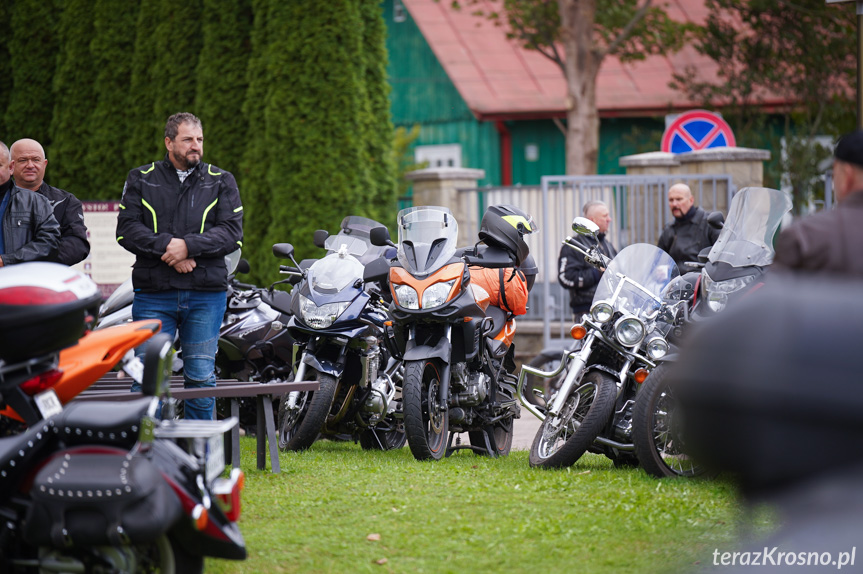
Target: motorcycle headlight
323, 316
437, 294
602, 312
629, 331
716, 292
406, 296
657, 348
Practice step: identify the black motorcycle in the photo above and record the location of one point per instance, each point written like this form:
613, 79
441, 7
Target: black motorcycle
337, 321
97, 486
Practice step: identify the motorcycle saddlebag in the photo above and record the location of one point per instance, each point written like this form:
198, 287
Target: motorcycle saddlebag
44, 307
99, 499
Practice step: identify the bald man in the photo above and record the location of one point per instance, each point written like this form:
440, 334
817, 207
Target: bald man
689, 233
28, 169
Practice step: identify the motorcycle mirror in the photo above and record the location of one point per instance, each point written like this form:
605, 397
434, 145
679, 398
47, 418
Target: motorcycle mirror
703, 255
716, 220
243, 266
320, 237
380, 236
584, 226
157, 364
283, 250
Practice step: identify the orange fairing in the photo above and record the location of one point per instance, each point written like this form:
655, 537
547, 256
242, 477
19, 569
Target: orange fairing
400, 276
94, 355
507, 334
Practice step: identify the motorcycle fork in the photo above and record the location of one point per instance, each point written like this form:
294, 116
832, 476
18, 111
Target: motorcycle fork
443, 398
574, 374
301, 372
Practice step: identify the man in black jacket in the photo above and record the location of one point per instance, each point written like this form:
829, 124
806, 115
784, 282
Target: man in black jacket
28, 169
28, 230
180, 217
573, 272
689, 233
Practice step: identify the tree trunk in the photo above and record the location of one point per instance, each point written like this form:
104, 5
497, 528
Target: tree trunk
580, 68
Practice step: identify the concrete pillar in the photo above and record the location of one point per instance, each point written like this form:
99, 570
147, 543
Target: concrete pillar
440, 185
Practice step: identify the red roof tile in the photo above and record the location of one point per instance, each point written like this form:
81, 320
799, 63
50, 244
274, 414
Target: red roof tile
499, 79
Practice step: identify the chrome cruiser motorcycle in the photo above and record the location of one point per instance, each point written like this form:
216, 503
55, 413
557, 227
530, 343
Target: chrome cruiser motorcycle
735, 266
622, 338
456, 345
338, 325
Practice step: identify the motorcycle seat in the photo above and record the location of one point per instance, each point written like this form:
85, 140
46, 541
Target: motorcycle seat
16, 450
108, 422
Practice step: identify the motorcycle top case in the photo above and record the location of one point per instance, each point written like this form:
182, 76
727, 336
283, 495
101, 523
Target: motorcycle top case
44, 307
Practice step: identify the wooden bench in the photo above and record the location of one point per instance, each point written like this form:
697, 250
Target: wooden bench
112, 388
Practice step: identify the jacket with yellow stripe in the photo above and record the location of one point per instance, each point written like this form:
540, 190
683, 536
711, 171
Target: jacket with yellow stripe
205, 211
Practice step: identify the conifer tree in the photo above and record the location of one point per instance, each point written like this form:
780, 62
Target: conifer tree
5, 71
73, 89
32, 44
144, 127
112, 50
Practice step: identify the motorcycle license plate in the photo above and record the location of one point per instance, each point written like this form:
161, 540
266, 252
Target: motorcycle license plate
215, 457
49, 404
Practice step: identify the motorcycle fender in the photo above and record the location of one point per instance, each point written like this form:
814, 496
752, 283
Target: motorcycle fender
327, 367
442, 351
614, 374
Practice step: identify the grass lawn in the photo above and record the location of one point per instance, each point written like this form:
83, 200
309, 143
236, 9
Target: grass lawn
337, 508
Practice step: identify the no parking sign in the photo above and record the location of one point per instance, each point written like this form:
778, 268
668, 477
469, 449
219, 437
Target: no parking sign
695, 130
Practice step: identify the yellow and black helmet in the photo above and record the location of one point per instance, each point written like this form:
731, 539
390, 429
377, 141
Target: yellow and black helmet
505, 226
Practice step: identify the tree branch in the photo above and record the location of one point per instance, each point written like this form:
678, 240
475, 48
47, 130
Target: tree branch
626, 31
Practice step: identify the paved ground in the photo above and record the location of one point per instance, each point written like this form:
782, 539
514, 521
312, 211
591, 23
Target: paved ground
525, 430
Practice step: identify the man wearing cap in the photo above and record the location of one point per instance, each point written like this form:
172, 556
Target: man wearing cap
830, 241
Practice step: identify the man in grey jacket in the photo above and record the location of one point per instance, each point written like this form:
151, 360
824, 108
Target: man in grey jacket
28, 230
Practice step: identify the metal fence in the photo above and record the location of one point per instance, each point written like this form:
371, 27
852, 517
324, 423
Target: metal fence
638, 208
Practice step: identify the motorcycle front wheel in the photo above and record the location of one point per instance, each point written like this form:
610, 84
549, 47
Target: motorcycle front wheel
300, 424
656, 429
559, 442
426, 428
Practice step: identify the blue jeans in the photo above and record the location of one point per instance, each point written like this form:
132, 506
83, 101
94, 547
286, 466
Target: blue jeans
198, 315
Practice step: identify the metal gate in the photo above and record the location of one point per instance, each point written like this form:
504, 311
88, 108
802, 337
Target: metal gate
638, 208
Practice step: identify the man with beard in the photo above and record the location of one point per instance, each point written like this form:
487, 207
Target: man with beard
28, 169
689, 233
180, 217
576, 274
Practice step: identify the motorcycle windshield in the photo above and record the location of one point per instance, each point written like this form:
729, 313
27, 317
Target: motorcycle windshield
354, 235
636, 279
753, 218
427, 239
334, 272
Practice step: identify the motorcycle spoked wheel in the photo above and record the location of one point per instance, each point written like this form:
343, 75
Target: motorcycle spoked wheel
558, 443
164, 555
426, 430
300, 426
656, 429
383, 439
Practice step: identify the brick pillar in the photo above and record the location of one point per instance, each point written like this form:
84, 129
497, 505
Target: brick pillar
439, 186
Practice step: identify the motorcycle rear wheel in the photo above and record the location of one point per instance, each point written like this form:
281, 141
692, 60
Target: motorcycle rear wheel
558, 443
427, 431
502, 432
379, 439
299, 427
656, 429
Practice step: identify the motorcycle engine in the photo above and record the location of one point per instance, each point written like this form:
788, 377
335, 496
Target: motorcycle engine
475, 391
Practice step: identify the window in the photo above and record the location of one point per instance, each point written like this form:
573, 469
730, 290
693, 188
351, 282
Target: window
439, 155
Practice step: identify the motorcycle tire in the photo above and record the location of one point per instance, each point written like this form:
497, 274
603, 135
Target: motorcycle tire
379, 439
298, 429
557, 443
502, 432
426, 432
655, 429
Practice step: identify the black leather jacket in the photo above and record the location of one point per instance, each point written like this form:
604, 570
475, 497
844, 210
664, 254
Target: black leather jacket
30, 232
69, 213
685, 237
205, 211
577, 275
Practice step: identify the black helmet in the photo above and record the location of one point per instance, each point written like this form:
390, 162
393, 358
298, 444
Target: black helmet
505, 226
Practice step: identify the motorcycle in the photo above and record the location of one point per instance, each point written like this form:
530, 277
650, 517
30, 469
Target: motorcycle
93, 486
734, 266
337, 322
622, 338
456, 346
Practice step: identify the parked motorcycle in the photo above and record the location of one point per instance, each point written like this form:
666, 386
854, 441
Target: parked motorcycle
734, 267
99, 487
622, 338
337, 323
457, 346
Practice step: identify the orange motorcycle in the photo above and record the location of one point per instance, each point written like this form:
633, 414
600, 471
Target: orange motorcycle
453, 325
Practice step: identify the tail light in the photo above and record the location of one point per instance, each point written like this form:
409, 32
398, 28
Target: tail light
227, 491
41, 382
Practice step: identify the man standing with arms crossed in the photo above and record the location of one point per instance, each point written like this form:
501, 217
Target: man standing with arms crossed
180, 217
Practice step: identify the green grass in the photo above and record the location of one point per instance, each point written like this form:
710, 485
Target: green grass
473, 514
